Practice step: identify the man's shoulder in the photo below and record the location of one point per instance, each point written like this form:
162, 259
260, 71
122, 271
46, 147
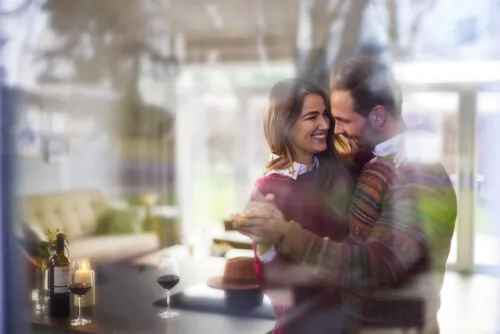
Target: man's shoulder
426, 174
382, 167
375, 178
408, 171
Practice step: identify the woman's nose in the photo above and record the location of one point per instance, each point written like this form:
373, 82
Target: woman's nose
324, 123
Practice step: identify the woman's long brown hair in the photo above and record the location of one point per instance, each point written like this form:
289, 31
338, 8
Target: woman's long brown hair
286, 99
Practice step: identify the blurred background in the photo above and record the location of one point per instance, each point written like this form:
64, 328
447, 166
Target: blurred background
155, 106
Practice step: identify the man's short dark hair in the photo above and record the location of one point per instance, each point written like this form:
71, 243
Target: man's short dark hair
370, 82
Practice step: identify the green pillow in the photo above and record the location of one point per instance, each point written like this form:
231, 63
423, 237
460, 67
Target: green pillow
118, 221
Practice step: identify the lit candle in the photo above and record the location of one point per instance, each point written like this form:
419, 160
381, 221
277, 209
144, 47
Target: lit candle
83, 275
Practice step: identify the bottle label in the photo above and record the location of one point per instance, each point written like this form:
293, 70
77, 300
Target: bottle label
61, 279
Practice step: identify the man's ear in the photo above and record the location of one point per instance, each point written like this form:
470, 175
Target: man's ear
377, 116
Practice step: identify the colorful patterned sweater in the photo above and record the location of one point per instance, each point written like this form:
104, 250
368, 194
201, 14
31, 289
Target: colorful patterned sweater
391, 267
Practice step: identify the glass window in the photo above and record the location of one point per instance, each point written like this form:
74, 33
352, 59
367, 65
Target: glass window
487, 229
437, 113
221, 144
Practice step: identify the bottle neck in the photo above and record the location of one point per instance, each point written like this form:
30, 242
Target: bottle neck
60, 244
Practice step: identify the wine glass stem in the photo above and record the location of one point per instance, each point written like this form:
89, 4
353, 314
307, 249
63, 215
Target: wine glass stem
168, 302
79, 309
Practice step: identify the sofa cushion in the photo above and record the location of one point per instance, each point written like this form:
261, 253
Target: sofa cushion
110, 248
118, 221
74, 212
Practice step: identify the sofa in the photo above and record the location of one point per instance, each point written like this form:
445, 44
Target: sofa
78, 213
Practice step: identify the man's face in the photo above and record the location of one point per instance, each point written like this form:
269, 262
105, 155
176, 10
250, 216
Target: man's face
354, 127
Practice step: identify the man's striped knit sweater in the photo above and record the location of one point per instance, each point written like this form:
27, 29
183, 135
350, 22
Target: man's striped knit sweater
391, 267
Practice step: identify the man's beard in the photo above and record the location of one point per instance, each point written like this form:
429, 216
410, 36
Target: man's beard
356, 144
360, 151
360, 143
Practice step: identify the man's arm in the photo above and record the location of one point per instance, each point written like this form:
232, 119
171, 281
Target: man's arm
395, 244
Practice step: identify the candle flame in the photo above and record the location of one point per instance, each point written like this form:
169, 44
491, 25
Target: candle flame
85, 265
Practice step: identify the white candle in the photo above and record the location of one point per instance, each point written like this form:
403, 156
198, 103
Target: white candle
86, 275
83, 275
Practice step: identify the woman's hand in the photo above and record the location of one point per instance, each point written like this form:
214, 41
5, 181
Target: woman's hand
261, 220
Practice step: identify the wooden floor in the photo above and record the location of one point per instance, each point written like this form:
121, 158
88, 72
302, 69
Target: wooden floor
470, 304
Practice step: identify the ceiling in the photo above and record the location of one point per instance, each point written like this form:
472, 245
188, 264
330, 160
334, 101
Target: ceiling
234, 30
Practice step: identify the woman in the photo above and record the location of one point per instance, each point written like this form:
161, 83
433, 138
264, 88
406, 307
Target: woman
312, 183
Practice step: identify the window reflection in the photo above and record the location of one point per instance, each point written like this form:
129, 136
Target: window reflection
437, 115
487, 237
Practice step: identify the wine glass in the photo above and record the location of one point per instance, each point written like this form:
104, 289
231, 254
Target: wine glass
80, 282
168, 277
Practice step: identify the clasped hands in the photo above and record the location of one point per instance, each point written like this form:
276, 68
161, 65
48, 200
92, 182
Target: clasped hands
261, 220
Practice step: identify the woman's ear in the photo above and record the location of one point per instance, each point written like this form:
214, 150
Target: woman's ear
377, 117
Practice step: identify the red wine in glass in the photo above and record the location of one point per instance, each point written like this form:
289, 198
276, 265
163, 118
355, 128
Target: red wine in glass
168, 277
168, 281
79, 289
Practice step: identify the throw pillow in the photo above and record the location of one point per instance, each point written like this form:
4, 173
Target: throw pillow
118, 221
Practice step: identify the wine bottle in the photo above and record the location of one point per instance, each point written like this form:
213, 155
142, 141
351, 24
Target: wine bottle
59, 281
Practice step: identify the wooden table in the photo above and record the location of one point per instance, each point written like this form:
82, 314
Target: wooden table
125, 293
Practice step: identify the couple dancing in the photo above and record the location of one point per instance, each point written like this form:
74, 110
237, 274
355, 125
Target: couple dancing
345, 244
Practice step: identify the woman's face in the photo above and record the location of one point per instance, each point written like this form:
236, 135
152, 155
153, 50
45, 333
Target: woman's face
309, 134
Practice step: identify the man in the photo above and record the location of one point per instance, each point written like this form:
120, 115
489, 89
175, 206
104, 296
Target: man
401, 218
